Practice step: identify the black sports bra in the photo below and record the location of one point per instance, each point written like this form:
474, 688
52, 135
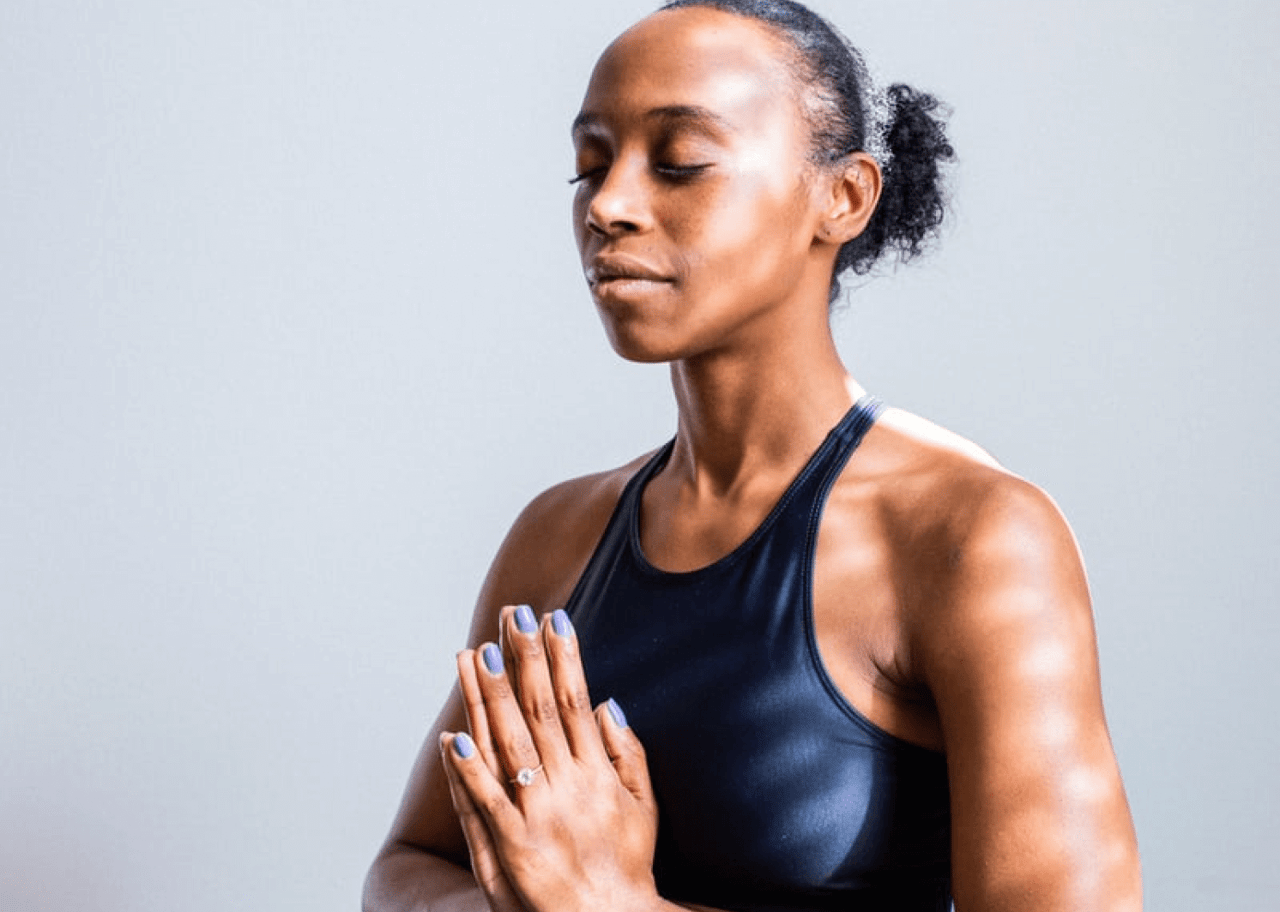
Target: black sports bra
774, 792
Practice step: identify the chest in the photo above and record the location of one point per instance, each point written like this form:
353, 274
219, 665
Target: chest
765, 775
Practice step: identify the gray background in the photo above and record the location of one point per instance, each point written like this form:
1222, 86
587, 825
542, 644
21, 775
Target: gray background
291, 326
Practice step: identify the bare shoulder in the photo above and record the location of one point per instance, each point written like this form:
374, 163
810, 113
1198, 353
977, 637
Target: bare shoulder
971, 544
552, 539
962, 511
999, 628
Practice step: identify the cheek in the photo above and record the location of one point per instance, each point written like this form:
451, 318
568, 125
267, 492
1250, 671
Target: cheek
754, 228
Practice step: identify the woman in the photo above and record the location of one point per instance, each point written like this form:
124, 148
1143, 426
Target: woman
858, 653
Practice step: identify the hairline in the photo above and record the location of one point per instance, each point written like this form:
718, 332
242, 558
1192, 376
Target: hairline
792, 58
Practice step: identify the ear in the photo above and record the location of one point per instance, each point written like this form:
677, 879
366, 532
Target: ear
851, 193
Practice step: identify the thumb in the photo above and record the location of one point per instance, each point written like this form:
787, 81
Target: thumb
625, 751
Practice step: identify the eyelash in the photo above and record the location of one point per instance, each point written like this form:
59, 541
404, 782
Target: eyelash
679, 174
585, 176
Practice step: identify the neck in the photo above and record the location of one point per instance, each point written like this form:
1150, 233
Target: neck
745, 413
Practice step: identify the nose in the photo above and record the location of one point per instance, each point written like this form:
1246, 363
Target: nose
620, 204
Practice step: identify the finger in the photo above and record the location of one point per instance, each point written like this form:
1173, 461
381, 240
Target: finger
570, 684
480, 847
511, 739
477, 716
485, 863
531, 681
625, 751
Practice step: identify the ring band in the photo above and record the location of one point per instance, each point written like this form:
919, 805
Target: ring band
524, 777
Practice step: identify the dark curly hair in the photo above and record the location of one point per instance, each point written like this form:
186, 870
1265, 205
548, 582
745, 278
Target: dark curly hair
909, 138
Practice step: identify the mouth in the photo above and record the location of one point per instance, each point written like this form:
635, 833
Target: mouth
608, 270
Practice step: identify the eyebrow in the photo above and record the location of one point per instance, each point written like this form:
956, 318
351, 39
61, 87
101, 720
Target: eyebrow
695, 116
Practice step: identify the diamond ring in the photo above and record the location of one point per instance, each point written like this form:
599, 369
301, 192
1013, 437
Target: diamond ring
524, 777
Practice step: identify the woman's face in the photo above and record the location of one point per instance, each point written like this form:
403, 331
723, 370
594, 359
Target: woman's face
695, 212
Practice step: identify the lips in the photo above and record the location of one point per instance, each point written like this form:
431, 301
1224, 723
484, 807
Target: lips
614, 267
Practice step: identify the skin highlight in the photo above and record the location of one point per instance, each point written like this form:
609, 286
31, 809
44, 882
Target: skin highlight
950, 604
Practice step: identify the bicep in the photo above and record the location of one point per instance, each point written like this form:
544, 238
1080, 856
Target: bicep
1039, 817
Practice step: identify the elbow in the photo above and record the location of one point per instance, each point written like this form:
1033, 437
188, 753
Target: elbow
405, 877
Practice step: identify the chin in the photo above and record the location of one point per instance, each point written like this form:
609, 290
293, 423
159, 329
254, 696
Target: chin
648, 337
639, 350
644, 343
635, 338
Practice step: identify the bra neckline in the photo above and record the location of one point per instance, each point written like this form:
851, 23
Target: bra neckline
865, 403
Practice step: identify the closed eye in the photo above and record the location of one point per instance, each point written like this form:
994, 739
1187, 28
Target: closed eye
673, 173
587, 175
680, 173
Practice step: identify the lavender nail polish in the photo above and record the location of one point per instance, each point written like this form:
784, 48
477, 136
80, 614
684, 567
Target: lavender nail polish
492, 657
525, 621
561, 624
619, 717
463, 746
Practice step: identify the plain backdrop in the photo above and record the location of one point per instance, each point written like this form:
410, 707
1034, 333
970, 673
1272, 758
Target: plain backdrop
292, 325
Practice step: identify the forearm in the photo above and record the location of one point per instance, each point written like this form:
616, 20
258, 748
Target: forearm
406, 879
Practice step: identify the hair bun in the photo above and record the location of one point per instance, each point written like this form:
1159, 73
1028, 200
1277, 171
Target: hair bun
913, 200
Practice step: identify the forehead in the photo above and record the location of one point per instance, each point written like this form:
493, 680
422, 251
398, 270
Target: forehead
695, 57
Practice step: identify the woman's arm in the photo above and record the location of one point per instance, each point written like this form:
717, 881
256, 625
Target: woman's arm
424, 863
424, 866
1039, 816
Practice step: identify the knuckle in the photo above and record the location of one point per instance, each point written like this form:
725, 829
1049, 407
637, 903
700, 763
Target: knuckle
542, 710
520, 746
567, 647
526, 648
498, 688
494, 805
574, 699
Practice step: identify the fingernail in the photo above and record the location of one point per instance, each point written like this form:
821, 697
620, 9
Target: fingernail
561, 624
525, 621
492, 656
463, 746
619, 717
